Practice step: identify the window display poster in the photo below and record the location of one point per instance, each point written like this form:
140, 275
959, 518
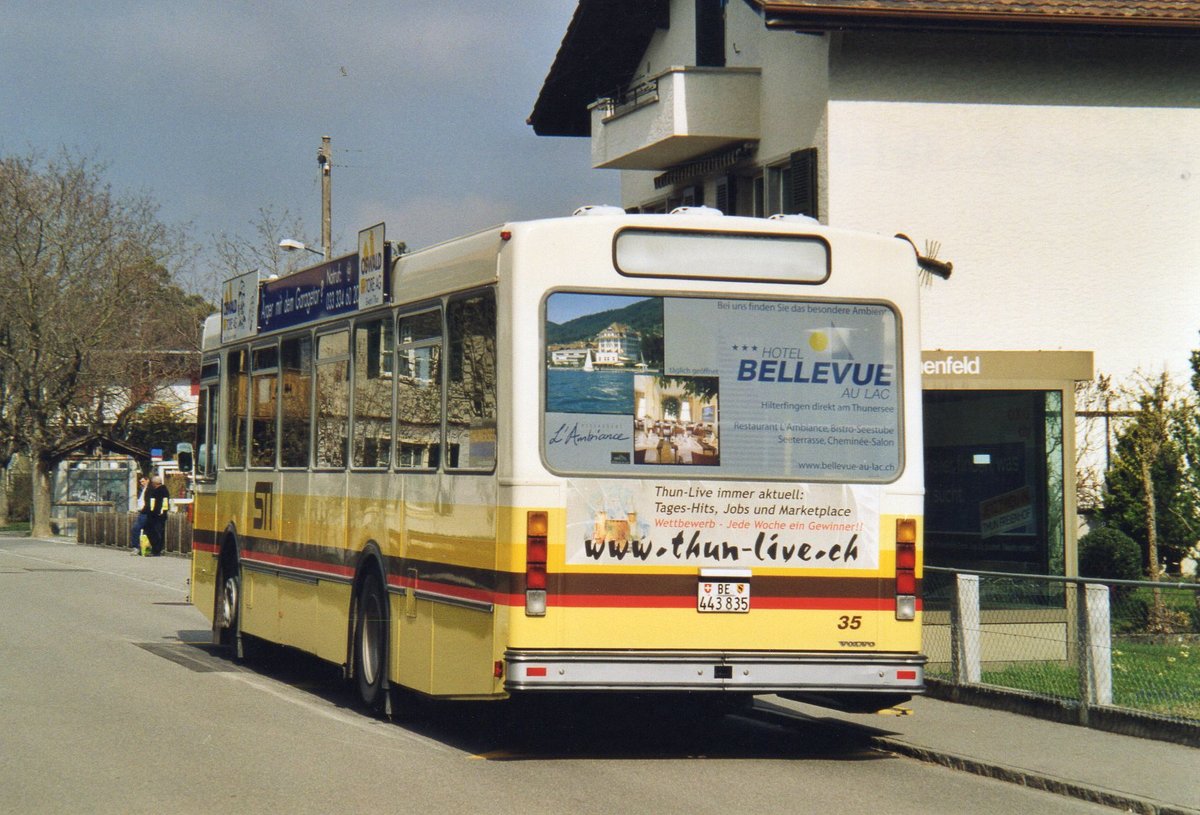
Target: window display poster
737, 388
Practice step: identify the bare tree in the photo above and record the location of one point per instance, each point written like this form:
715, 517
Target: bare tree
237, 254
1093, 440
90, 316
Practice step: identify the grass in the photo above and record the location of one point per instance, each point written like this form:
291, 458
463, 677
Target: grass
1156, 678
19, 526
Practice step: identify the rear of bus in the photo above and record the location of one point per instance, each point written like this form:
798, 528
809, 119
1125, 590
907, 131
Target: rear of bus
716, 472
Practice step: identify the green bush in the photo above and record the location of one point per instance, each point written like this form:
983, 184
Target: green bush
1130, 611
1109, 553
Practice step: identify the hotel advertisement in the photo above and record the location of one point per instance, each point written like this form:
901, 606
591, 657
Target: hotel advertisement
732, 388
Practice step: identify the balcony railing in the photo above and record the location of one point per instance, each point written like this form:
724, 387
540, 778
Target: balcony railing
675, 116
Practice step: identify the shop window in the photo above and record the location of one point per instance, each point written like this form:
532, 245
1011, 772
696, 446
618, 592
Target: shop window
994, 486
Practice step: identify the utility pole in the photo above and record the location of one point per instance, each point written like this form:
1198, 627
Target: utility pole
325, 159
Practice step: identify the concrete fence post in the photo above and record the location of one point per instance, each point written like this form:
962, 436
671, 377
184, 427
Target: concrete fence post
965, 657
1095, 644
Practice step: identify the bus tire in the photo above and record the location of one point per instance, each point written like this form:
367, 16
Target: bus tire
370, 644
228, 597
227, 616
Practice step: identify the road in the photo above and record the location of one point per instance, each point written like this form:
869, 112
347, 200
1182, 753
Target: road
111, 701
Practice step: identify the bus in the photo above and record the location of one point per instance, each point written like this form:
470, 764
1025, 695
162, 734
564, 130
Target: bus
613, 453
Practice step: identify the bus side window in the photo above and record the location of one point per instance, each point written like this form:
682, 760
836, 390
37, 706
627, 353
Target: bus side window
237, 398
372, 427
419, 390
264, 408
206, 419
202, 410
333, 398
471, 395
295, 368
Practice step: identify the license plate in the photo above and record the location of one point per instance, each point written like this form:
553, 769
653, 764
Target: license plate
723, 596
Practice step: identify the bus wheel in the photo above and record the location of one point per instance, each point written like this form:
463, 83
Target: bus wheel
225, 621
370, 645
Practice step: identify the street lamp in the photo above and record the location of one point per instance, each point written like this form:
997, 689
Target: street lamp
293, 245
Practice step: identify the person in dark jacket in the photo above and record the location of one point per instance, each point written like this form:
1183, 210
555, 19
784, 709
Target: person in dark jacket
139, 524
155, 508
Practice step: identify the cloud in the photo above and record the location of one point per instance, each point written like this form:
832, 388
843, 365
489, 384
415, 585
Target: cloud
217, 109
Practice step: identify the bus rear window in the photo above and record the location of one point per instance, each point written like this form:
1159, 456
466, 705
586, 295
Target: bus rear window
708, 256
738, 388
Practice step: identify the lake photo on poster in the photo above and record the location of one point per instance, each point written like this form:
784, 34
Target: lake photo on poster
574, 390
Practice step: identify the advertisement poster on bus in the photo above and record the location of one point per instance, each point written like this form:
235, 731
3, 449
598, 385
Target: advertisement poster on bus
723, 524
372, 262
321, 291
733, 388
239, 307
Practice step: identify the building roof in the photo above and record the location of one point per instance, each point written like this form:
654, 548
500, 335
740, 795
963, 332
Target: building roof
606, 39
1095, 16
94, 444
599, 53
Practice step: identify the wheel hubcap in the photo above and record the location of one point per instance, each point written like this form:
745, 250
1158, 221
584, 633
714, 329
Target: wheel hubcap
371, 635
228, 602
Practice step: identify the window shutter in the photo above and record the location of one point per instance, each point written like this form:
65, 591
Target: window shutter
727, 194
802, 191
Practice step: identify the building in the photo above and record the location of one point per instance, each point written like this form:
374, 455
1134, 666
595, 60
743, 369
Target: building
1048, 149
618, 345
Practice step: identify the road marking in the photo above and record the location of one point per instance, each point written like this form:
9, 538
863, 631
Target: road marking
356, 720
60, 565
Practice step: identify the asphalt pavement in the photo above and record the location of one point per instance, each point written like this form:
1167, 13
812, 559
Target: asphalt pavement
1124, 772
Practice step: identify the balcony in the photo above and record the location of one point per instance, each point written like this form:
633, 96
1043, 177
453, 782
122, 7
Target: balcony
674, 116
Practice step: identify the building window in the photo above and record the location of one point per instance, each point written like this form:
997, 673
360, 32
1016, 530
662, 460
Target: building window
788, 188
710, 33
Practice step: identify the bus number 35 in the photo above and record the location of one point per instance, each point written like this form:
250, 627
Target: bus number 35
845, 622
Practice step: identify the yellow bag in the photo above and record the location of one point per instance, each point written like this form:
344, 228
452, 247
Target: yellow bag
144, 545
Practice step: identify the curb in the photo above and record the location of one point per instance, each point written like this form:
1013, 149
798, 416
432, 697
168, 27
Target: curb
1000, 772
1046, 783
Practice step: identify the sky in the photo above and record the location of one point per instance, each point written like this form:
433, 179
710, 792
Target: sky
215, 109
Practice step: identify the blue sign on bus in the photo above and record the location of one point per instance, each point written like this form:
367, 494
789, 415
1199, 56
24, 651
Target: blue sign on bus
322, 291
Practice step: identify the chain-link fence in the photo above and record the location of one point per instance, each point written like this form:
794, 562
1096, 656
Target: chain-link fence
1133, 645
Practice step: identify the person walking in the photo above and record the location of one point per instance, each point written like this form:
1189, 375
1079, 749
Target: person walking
139, 523
157, 496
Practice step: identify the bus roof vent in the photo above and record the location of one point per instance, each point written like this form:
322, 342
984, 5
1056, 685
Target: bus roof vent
806, 219
696, 211
599, 209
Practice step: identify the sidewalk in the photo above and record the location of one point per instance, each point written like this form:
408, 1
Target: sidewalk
1125, 772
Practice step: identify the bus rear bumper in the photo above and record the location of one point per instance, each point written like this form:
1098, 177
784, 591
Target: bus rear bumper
731, 671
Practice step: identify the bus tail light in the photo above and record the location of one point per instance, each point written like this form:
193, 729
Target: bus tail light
536, 529
906, 569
